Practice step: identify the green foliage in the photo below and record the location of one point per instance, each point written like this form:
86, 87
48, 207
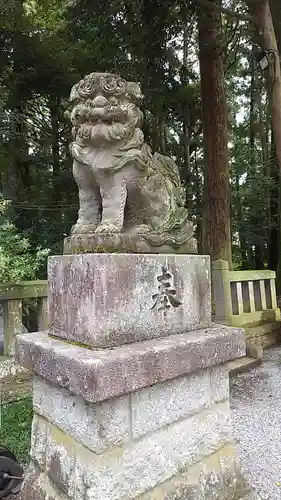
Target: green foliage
15, 430
46, 46
18, 260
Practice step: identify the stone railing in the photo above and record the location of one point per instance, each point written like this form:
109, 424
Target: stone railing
244, 297
12, 296
15, 381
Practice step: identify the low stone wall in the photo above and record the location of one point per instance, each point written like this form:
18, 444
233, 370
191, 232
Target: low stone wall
15, 381
126, 446
265, 335
247, 299
169, 439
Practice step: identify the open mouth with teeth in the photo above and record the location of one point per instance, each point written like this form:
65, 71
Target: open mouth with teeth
95, 115
108, 114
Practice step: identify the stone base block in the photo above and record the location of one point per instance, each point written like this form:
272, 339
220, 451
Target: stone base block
216, 477
97, 375
253, 350
243, 365
128, 243
265, 335
104, 300
147, 420
172, 440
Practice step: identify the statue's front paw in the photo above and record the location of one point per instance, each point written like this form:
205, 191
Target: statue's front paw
108, 227
80, 228
142, 229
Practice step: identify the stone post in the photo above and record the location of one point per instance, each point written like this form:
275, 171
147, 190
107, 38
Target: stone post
131, 389
222, 292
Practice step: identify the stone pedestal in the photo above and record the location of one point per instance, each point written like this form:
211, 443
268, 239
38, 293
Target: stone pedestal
131, 388
129, 243
104, 300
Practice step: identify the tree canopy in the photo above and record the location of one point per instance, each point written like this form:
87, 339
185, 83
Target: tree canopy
47, 46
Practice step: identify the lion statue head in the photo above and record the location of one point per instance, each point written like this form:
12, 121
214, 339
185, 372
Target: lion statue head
105, 109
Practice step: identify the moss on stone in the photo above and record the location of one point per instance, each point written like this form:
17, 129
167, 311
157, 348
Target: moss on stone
101, 249
71, 342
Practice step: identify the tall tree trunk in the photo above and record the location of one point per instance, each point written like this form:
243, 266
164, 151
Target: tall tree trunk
16, 175
16, 181
263, 125
217, 224
162, 134
57, 181
273, 237
13, 179
198, 203
276, 15
259, 256
241, 231
252, 121
186, 123
258, 243
263, 134
267, 40
155, 136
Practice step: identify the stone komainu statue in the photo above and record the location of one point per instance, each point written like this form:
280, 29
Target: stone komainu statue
123, 187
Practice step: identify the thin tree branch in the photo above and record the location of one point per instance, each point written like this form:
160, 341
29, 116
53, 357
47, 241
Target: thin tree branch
227, 12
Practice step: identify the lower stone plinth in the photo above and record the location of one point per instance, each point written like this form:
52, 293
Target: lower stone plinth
172, 441
128, 243
216, 477
144, 421
101, 374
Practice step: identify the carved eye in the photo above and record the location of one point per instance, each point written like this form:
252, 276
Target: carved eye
113, 101
87, 86
111, 84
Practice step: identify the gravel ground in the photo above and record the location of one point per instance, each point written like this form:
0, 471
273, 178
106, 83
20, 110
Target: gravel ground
256, 414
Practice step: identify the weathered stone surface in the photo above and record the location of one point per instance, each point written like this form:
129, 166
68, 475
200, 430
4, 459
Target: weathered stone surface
12, 324
39, 441
15, 382
219, 383
37, 486
98, 427
9, 368
265, 335
123, 243
243, 365
161, 404
105, 300
102, 374
133, 469
252, 496
108, 424
122, 186
33, 487
60, 464
216, 477
246, 299
254, 351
